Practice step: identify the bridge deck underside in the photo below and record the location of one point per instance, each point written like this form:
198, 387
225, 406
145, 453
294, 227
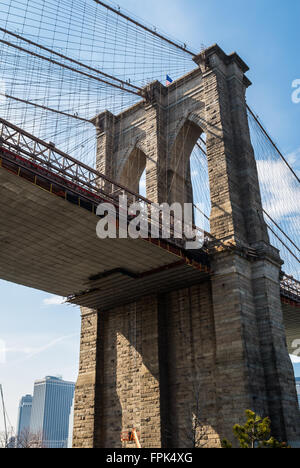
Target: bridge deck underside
118, 289
50, 244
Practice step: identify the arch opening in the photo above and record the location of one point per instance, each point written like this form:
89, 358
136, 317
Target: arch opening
188, 176
200, 184
133, 172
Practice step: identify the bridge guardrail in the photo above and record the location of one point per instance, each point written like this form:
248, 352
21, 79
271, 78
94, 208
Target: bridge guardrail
290, 288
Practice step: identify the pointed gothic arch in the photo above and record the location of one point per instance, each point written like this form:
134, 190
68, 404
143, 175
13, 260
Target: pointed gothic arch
132, 169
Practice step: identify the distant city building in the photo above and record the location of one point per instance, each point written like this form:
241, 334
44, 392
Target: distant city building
24, 416
298, 388
52, 401
12, 443
71, 425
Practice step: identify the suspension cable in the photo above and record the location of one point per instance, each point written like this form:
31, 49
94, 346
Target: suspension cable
55, 62
267, 214
283, 243
272, 142
69, 59
140, 25
281, 230
201, 212
4, 416
202, 149
39, 106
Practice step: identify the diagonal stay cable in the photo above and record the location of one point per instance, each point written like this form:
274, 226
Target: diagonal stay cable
55, 62
283, 243
272, 142
39, 106
281, 230
146, 28
58, 54
271, 219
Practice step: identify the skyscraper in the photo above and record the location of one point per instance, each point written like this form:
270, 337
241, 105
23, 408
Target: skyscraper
52, 401
25, 407
71, 425
11, 443
298, 388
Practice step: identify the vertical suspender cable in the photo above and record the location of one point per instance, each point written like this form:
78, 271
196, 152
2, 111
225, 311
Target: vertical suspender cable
4, 416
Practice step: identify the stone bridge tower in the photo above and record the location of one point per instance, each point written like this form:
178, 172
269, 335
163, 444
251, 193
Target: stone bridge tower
220, 343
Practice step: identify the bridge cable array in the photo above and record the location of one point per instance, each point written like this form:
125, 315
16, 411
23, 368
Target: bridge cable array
280, 207
83, 58
82, 43
272, 142
280, 191
152, 31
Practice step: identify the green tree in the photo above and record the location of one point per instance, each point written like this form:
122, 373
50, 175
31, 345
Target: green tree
255, 433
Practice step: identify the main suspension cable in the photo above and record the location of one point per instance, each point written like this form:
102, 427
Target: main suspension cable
55, 62
17, 36
39, 106
146, 28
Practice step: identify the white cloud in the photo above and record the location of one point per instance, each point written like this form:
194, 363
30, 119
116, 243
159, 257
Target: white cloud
294, 156
54, 300
32, 352
2, 352
281, 195
295, 359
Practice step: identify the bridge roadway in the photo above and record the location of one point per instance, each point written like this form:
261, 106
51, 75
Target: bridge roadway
48, 241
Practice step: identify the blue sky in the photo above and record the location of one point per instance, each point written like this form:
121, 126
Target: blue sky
42, 337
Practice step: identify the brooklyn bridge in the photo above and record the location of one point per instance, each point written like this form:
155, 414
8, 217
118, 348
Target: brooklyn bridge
163, 326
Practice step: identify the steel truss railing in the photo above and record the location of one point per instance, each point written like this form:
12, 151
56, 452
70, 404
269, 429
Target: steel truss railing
47, 156
290, 288
66, 170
